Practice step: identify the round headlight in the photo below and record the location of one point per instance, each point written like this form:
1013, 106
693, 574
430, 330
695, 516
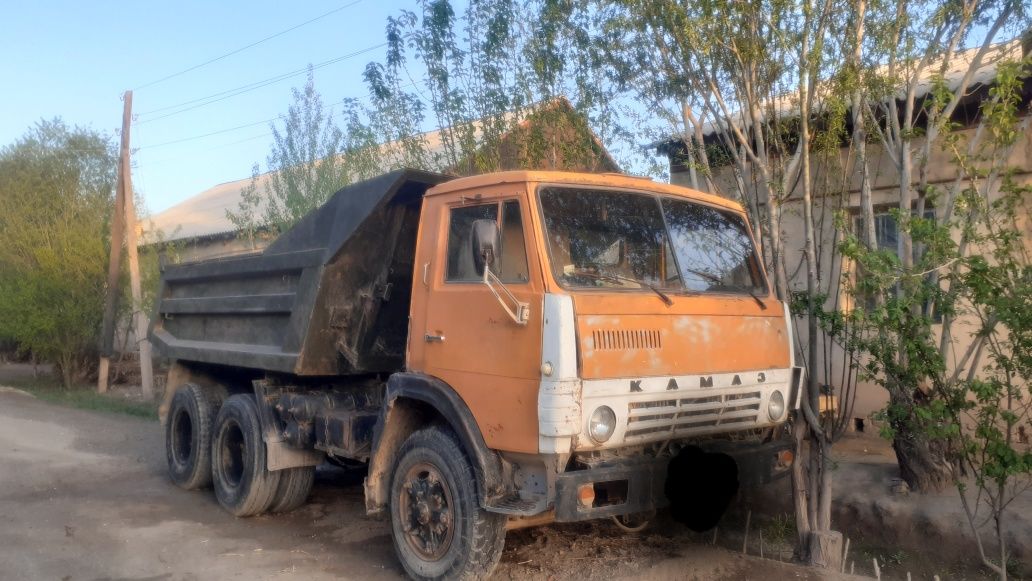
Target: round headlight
602, 424
776, 405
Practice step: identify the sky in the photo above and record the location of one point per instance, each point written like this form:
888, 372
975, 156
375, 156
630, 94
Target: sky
74, 59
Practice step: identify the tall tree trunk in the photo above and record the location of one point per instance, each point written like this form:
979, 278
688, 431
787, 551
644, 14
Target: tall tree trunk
922, 459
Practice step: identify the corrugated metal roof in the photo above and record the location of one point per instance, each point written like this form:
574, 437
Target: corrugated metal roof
205, 214
787, 105
202, 215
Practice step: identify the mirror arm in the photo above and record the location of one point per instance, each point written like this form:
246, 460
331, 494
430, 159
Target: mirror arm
520, 313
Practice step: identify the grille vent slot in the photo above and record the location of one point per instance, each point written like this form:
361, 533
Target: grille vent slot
621, 339
691, 415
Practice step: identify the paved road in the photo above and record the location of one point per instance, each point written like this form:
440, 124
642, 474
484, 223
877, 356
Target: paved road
83, 496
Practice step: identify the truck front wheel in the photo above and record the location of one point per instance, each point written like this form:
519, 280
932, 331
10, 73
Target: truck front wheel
242, 483
439, 529
188, 436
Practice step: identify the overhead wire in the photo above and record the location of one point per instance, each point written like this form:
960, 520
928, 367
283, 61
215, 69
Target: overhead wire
243, 48
229, 93
331, 107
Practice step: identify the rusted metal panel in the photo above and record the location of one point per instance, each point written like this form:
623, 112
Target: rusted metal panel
329, 297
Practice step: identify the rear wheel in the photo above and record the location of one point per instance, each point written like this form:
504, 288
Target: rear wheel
294, 487
188, 429
242, 483
439, 529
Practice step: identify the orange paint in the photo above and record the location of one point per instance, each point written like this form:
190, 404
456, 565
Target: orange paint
460, 334
712, 334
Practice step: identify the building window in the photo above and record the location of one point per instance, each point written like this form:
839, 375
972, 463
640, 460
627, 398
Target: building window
886, 235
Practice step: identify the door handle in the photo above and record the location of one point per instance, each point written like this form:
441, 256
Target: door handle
433, 338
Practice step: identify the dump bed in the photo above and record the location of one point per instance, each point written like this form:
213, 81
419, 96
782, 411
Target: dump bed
329, 297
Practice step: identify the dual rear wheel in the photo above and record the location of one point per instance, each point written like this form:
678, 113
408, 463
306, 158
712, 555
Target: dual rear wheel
439, 529
211, 442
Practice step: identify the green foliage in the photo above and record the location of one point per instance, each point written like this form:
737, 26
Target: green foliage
305, 167
56, 187
491, 83
974, 264
506, 84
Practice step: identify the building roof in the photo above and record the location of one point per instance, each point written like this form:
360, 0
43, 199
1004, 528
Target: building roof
200, 216
204, 215
786, 105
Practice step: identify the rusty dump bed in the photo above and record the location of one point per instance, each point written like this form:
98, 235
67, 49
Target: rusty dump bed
329, 297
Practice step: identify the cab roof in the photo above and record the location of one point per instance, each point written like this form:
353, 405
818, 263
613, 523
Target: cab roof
612, 180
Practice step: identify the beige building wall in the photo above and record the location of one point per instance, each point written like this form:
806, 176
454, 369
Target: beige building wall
943, 172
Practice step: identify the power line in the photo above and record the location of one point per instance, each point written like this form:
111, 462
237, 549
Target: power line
174, 141
330, 109
229, 93
241, 49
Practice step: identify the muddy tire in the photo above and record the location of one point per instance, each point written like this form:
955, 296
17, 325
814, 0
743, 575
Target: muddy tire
294, 487
438, 527
191, 419
242, 484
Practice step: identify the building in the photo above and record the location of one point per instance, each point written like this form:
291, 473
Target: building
942, 171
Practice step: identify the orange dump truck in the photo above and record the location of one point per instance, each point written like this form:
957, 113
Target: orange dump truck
500, 351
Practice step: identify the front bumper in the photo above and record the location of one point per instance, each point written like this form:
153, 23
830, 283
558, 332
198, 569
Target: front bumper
638, 485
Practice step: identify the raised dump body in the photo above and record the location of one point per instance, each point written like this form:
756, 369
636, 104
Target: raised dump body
328, 297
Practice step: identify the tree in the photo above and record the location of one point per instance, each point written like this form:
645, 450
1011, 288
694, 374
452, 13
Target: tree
751, 89
501, 94
917, 43
976, 406
305, 167
56, 186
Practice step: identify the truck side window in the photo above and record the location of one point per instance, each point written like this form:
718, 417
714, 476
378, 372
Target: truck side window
513, 267
460, 254
512, 256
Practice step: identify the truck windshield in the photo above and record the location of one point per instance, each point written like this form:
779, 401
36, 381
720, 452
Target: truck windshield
619, 239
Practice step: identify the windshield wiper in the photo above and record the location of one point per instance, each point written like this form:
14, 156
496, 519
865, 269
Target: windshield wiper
720, 281
616, 277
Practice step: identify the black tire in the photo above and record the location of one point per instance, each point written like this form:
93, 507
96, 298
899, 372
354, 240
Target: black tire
188, 429
294, 487
242, 484
433, 480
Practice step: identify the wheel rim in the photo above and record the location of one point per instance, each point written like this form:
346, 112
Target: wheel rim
633, 523
425, 510
232, 465
182, 437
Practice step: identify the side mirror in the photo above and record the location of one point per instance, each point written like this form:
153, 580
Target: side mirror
486, 242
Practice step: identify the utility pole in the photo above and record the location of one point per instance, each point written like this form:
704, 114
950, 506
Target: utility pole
107, 335
124, 219
146, 373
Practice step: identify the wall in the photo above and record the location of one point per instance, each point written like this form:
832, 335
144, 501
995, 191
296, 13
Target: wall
942, 172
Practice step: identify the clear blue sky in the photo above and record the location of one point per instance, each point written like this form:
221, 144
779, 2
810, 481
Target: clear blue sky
74, 60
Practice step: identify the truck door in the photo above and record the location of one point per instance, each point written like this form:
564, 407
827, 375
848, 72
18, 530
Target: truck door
465, 337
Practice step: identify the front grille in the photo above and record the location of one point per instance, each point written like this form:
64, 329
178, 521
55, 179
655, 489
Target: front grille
685, 416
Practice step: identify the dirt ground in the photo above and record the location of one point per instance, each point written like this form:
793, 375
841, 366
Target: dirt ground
83, 496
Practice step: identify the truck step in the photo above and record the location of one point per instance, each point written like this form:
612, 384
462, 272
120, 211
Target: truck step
516, 506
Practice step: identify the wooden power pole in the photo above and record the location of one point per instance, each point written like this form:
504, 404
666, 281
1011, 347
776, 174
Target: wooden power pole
107, 334
127, 211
